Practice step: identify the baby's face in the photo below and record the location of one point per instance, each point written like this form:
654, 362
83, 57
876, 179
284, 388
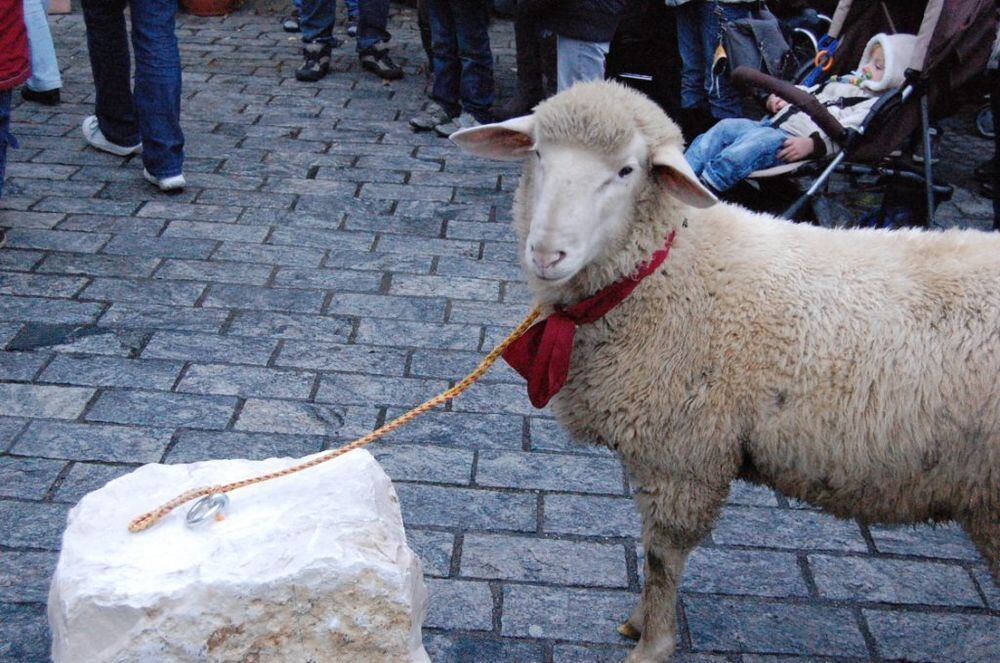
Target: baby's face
875, 69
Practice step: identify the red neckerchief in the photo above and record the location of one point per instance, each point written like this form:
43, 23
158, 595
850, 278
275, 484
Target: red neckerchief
541, 354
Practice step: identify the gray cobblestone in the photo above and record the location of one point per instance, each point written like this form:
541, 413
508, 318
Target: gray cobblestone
27, 478
112, 372
54, 240
498, 557
289, 256
21, 366
935, 636
418, 334
24, 577
74, 441
424, 309
246, 381
785, 528
541, 471
893, 581
209, 348
157, 316
454, 365
215, 231
24, 633
353, 389
379, 261
433, 548
94, 223
270, 416
140, 291
425, 505
547, 435
98, 265
47, 310
583, 615
285, 300
20, 260
328, 279
193, 446
947, 541
746, 625
160, 247
460, 648
162, 409
25, 400
84, 478
743, 572
452, 287
469, 431
223, 272
32, 524
367, 359
591, 516
40, 285
460, 604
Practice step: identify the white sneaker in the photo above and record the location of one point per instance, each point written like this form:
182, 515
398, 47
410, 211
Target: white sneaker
463, 121
172, 183
93, 134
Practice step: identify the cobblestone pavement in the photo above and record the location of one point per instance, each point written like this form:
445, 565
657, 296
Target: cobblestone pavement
325, 269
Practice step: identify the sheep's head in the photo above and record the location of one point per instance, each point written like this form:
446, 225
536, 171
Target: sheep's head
592, 154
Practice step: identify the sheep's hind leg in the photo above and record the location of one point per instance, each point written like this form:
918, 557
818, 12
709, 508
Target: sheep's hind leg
675, 518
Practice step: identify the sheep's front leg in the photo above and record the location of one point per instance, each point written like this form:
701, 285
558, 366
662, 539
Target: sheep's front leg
675, 517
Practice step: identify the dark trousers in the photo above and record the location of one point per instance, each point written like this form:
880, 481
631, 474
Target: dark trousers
995, 105
152, 114
463, 62
536, 56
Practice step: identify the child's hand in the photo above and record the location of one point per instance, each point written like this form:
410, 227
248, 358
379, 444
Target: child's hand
795, 148
775, 104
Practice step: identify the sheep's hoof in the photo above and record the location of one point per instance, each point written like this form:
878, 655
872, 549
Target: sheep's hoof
629, 631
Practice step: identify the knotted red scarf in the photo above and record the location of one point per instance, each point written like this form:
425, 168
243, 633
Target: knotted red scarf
542, 354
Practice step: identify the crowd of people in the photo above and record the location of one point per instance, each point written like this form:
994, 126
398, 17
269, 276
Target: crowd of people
557, 44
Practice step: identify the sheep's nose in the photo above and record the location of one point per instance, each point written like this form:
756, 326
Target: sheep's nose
546, 260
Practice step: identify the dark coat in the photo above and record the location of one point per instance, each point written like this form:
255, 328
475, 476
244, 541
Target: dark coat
586, 20
15, 64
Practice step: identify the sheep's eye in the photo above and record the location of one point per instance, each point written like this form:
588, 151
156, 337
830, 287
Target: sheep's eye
624, 172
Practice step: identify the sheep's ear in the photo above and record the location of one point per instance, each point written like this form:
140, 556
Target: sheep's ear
671, 169
510, 140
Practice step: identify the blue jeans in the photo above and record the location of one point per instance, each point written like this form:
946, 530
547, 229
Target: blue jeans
44, 66
732, 149
318, 16
463, 62
152, 113
5, 136
579, 61
698, 33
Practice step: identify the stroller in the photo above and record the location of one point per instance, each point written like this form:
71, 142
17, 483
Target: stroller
953, 43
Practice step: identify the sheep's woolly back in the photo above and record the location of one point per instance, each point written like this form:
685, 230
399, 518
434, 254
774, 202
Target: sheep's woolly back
603, 116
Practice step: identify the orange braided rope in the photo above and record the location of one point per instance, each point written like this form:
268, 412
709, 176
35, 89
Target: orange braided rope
149, 519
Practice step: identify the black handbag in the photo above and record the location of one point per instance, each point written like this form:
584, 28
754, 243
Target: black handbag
755, 41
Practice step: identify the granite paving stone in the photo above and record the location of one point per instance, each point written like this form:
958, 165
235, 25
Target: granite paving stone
73, 441
360, 389
297, 418
246, 381
786, 528
459, 647
454, 365
459, 604
283, 300
452, 287
556, 613
98, 265
142, 290
379, 261
367, 359
418, 334
39, 285
84, 478
929, 636
747, 625
209, 348
743, 572
220, 272
24, 577
10, 427
290, 256
48, 310
419, 462
548, 435
990, 589
586, 515
556, 472
433, 548
34, 525
275, 324
946, 540
27, 478
429, 505
219, 231
54, 240
24, 632
162, 409
159, 316
21, 366
425, 309
16, 260
192, 446
338, 280
160, 247
470, 431
44, 402
530, 559
893, 581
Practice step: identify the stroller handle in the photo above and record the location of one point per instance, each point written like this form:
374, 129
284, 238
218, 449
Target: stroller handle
748, 76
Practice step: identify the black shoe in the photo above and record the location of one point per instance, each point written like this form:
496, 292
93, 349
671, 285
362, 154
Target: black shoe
518, 105
316, 63
46, 97
379, 63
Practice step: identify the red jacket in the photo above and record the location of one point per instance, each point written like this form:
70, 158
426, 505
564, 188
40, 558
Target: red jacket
15, 64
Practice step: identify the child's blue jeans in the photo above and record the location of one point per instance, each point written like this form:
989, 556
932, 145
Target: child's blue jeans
732, 149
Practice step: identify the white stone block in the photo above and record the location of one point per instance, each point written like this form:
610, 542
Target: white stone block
309, 567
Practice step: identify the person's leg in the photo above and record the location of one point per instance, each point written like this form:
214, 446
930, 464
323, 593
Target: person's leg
5, 136
158, 85
111, 64
316, 23
372, 23
579, 61
472, 22
424, 24
710, 144
692, 58
723, 98
752, 150
444, 43
44, 65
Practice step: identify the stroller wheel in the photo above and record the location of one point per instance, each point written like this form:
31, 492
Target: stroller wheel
984, 122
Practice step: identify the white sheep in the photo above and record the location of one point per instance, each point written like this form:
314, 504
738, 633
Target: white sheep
856, 370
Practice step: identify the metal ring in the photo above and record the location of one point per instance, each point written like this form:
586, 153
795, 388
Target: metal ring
205, 508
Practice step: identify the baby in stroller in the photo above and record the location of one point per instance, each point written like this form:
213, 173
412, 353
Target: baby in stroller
732, 149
